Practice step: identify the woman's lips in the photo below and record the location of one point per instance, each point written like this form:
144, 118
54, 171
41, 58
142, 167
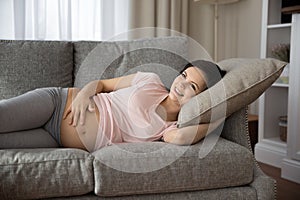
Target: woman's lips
178, 92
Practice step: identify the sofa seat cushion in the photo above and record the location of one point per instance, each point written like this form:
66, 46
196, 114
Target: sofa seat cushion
42, 173
157, 167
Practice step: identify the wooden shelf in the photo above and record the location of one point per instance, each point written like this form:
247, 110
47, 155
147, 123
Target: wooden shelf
291, 10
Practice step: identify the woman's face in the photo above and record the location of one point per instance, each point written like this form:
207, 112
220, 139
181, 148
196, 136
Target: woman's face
187, 85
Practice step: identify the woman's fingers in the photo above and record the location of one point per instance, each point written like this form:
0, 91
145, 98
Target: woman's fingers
67, 112
91, 107
82, 117
71, 118
77, 111
79, 116
75, 117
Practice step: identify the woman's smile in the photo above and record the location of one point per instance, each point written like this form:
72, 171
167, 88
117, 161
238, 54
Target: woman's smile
178, 92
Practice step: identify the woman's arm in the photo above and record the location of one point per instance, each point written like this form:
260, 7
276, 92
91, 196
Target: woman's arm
82, 101
190, 134
107, 85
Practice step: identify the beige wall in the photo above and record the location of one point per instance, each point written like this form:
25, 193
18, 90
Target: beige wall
239, 28
201, 20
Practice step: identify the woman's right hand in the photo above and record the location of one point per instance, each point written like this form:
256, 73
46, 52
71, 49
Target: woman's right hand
83, 102
77, 110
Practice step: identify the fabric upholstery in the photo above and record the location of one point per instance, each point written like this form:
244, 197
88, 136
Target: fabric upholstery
236, 128
265, 186
31, 173
26, 65
163, 56
143, 168
243, 192
245, 81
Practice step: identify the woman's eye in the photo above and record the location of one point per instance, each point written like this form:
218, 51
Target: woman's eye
193, 86
183, 74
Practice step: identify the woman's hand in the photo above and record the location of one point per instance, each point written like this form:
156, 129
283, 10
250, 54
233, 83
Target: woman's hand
83, 102
77, 110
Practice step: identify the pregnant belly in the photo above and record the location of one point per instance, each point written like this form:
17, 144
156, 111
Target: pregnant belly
81, 136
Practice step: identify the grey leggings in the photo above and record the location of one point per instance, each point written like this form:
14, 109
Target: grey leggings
35, 109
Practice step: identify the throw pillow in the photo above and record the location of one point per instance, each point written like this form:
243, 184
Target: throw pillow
245, 81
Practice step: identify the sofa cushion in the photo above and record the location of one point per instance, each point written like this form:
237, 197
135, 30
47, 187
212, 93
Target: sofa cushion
143, 168
41, 173
244, 192
245, 81
26, 65
164, 56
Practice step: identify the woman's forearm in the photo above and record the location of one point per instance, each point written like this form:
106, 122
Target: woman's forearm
186, 135
107, 85
82, 101
92, 88
190, 134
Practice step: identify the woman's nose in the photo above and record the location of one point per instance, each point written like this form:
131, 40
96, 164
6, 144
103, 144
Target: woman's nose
182, 84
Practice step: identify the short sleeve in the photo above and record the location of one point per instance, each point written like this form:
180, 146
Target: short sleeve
142, 78
171, 127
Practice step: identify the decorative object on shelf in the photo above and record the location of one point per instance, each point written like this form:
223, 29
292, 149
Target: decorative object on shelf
216, 3
287, 8
282, 52
283, 128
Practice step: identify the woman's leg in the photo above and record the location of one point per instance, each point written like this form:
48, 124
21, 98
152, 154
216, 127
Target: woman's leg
27, 111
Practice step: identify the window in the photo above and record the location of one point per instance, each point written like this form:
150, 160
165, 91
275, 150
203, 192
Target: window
63, 19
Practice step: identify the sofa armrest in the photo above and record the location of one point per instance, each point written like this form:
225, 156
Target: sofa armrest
264, 185
236, 128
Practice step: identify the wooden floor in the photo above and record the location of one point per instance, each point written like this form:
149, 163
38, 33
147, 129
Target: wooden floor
286, 190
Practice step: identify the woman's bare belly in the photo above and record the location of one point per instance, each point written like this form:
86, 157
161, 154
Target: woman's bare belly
81, 136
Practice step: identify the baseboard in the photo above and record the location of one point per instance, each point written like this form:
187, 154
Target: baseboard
291, 170
269, 154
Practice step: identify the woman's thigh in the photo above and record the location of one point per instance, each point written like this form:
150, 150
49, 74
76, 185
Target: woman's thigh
27, 111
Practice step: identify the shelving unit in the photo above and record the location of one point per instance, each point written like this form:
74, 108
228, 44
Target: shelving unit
281, 99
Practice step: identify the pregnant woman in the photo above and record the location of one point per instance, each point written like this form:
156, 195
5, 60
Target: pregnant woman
132, 108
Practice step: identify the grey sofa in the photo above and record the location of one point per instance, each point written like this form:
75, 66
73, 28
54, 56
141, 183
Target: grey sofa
32, 166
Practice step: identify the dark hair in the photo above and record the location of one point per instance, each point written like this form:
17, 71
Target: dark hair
212, 72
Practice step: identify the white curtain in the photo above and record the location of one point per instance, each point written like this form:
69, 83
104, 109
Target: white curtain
63, 19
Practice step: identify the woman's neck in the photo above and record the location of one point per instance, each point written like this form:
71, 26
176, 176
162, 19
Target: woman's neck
168, 109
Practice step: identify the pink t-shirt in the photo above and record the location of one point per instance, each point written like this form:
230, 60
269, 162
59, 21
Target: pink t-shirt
129, 114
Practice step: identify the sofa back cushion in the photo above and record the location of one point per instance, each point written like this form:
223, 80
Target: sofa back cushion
26, 65
164, 56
